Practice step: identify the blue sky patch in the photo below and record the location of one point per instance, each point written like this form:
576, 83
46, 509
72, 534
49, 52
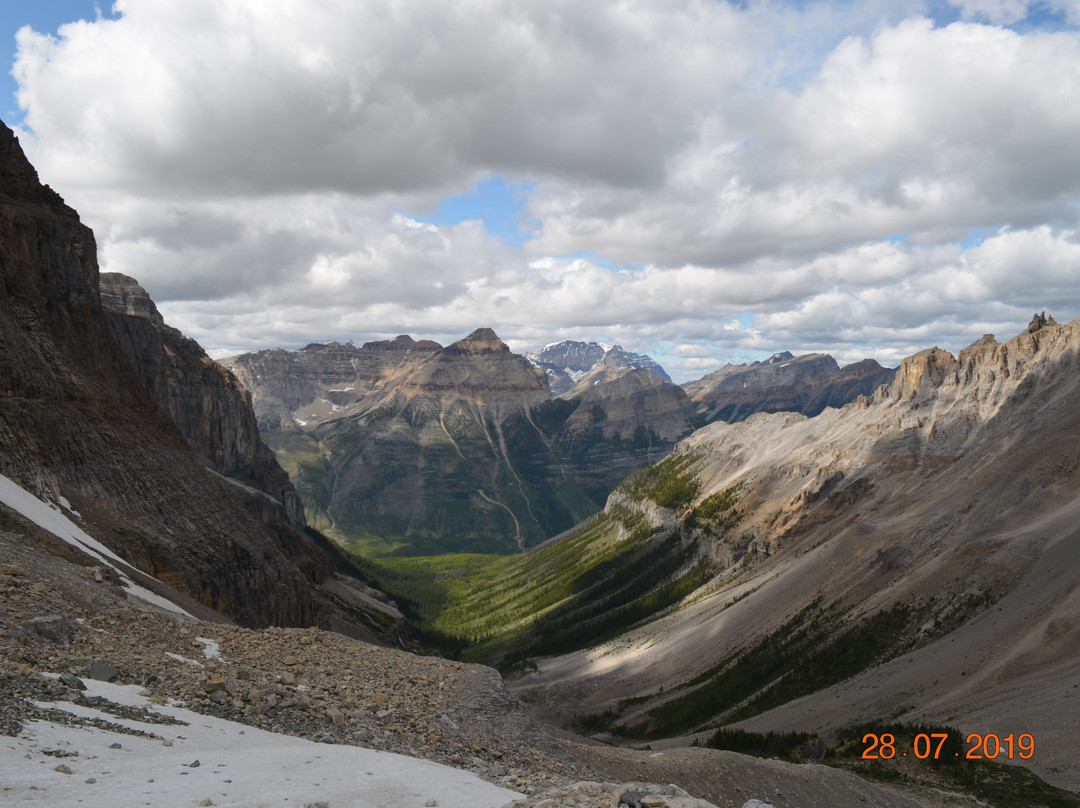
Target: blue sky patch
44, 16
976, 236
497, 203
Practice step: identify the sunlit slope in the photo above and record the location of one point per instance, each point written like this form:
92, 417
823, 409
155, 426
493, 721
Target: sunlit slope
910, 557
406, 448
650, 548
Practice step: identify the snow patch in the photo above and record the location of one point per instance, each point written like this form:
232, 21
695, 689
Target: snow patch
184, 659
212, 649
49, 518
67, 507
213, 759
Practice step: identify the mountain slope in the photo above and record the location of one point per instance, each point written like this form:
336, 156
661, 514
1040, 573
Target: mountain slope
164, 690
202, 398
77, 426
933, 525
406, 447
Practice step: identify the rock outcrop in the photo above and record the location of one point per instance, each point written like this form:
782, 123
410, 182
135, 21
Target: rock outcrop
201, 397
478, 373
322, 377
77, 425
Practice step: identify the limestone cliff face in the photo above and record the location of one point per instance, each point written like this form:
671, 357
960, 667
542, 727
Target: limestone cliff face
923, 372
478, 373
996, 403
77, 422
201, 397
322, 377
806, 384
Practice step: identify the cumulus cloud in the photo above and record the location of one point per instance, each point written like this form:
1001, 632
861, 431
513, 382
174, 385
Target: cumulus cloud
709, 179
400, 96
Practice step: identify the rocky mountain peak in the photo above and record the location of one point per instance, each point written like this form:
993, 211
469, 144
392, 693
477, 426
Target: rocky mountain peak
402, 342
986, 340
923, 371
776, 358
19, 180
570, 355
40, 228
124, 295
568, 363
1039, 322
482, 340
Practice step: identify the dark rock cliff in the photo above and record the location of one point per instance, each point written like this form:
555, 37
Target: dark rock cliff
76, 421
204, 399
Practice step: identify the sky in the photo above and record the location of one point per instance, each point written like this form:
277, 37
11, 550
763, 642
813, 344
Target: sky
699, 180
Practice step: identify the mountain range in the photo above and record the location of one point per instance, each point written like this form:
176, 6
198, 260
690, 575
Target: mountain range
790, 583
910, 558
407, 447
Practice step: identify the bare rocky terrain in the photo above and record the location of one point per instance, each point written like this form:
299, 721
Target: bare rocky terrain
951, 492
784, 383
63, 614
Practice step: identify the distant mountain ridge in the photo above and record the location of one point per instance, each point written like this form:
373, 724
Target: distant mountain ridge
784, 383
406, 443
566, 363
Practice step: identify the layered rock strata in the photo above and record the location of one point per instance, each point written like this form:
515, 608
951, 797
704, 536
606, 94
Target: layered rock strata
409, 446
78, 426
201, 397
